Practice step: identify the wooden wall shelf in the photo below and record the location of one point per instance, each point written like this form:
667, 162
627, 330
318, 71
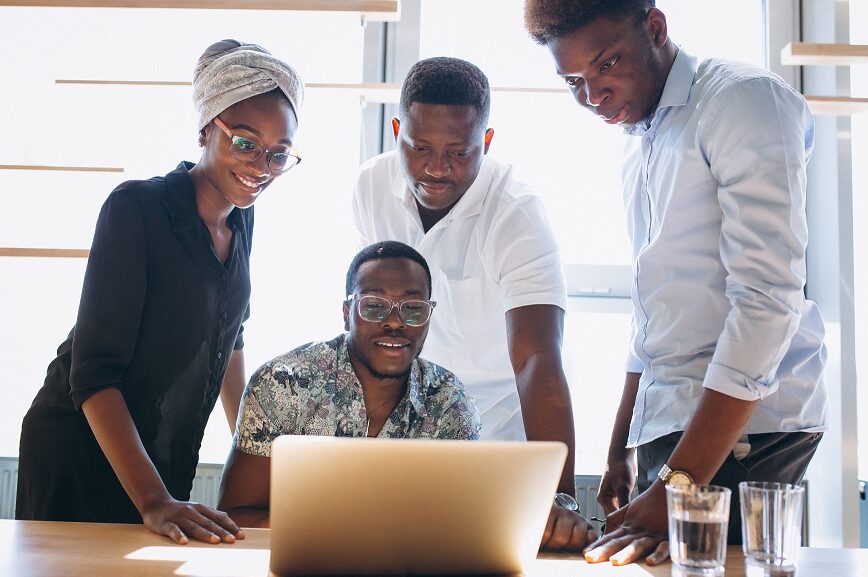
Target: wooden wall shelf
44, 252
809, 54
375, 10
837, 105
60, 168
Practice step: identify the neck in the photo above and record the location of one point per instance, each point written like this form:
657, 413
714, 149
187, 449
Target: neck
213, 209
382, 391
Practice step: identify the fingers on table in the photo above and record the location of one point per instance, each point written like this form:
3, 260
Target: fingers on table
621, 548
199, 522
567, 530
659, 555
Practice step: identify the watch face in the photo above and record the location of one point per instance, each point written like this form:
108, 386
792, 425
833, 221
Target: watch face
679, 478
566, 501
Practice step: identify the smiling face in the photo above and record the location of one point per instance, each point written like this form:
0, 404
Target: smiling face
266, 119
385, 349
616, 68
440, 150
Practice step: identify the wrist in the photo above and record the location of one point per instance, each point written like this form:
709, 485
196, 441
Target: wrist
151, 500
619, 453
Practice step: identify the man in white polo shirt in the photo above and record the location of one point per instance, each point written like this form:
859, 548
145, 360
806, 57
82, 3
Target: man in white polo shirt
495, 264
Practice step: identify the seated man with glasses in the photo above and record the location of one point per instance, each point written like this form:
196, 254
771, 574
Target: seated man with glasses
367, 382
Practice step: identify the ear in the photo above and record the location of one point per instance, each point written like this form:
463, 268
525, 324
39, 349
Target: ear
489, 134
346, 316
396, 126
202, 138
655, 22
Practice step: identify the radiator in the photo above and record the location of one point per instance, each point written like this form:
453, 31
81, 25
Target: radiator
586, 495
205, 485
8, 486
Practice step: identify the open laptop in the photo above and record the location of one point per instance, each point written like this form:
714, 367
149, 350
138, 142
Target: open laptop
352, 506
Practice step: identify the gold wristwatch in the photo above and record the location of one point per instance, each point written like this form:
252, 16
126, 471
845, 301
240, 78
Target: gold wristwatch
670, 477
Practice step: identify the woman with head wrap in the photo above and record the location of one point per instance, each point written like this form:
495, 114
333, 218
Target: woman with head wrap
114, 433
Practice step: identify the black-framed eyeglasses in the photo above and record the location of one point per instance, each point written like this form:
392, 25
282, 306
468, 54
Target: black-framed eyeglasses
376, 309
248, 150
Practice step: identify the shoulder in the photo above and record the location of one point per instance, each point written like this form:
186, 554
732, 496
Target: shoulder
383, 167
734, 85
447, 402
508, 197
133, 203
300, 365
149, 194
379, 179
511, 213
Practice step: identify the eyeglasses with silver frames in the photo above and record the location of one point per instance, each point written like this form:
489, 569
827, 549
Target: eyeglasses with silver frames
376, 309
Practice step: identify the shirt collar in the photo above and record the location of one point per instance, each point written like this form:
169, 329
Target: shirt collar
182, 200
676, 91
415, 384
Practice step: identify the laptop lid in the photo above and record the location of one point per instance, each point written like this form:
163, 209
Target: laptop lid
409, 506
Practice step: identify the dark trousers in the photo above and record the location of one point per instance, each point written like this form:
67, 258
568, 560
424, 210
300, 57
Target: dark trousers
777, 457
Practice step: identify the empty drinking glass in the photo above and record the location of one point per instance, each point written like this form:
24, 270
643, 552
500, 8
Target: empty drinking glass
771, 522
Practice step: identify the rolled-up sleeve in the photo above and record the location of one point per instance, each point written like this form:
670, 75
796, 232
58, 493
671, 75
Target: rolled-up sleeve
112, 299
764, 235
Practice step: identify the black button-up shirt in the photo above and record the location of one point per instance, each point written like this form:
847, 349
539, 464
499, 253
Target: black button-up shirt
158, 319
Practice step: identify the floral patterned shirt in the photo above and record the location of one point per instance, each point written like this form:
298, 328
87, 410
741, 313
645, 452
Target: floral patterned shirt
313, 390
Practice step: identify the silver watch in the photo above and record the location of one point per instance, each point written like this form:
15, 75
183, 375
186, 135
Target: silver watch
567, 501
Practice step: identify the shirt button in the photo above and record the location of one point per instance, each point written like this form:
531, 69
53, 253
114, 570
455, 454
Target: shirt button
220, 355
223, 276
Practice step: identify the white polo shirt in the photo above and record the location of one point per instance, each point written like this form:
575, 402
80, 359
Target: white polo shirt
494, 251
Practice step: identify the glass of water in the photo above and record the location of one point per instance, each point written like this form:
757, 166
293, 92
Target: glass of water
771, 522
698, 520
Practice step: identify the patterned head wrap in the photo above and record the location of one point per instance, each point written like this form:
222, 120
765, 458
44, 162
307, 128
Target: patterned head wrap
231, 71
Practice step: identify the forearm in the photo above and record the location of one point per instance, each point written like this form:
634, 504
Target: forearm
245, 489
713, 431
233, 387
111, 423
547, 410
621, 427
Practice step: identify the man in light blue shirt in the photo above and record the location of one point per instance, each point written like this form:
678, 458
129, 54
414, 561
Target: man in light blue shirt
724, 380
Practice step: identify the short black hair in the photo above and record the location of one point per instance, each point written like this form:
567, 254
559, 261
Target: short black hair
380, 250
547, 20
444, 80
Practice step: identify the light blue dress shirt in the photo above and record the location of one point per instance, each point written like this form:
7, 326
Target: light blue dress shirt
714, 186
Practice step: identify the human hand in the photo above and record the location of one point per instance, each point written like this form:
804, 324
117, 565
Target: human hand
616, 484
635, 530
566, 531
178, 519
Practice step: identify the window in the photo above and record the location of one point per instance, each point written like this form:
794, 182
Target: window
859, 127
